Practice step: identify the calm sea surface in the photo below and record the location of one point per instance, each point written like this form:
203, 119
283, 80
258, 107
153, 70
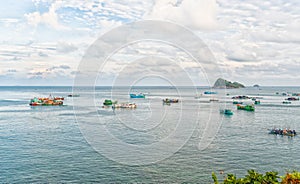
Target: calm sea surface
46, 144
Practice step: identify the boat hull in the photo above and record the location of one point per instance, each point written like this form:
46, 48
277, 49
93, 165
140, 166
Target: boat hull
245, 107
137, 96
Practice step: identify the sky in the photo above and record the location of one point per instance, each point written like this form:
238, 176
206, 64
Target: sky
42, 42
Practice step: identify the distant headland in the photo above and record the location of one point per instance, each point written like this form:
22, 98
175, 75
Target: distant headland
222, 83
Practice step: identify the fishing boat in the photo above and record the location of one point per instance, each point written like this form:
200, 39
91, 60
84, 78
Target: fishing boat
209, 92
257, 102
286, 102
292, 99
124, 106
48, 101
241, 97
109, 102
226, 111
140, 95
170, 100
286, 132
213, 100
73, 95
246, 107
237, 102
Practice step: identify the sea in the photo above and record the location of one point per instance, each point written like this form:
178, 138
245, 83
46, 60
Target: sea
184, 142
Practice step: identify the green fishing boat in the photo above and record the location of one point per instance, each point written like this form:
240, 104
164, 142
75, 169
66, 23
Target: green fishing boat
246, 107
109, 102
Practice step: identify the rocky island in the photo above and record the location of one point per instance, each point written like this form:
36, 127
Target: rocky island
222, 83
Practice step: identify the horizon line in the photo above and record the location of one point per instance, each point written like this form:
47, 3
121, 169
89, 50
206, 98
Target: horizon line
138, 86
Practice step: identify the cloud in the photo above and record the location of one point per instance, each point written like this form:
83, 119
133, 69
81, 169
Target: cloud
41, 54
288, 34
269, 70
253, 37
36, 75
15, 58
54, 72
240, 48
241, 55
62, 67
12, 71
148, 67
49, 18
196, 14
64, 47
8, 21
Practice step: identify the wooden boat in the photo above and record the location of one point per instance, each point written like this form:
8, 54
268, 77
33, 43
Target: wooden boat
285, 132
124, 106
50, 101
209, 92
292, 99
246, 107
241, 97
256, 102
237, 102
109, 102
140, 95
73, 95
226, 111
170, 100
286, 102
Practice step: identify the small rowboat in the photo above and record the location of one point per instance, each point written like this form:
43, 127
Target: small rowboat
285, 132
226, 111
124, 106
170, 100
209, 92
141, 95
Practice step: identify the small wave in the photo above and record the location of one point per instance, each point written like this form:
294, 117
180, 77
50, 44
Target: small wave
66, 114
11, 100
279, 105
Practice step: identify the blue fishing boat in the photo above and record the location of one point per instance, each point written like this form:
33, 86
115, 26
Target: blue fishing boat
210, 92
226, 111
141, 95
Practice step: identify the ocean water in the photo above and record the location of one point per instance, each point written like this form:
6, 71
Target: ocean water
51, 144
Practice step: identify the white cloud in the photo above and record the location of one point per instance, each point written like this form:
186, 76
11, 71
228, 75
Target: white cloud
64, 47
251, 34
241, 50
196, 14
49, 18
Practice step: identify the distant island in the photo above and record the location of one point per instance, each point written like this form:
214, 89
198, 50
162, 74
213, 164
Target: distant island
222, 83
256, 86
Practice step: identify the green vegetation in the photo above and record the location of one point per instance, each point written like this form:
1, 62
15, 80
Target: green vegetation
222, 83
254, 177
